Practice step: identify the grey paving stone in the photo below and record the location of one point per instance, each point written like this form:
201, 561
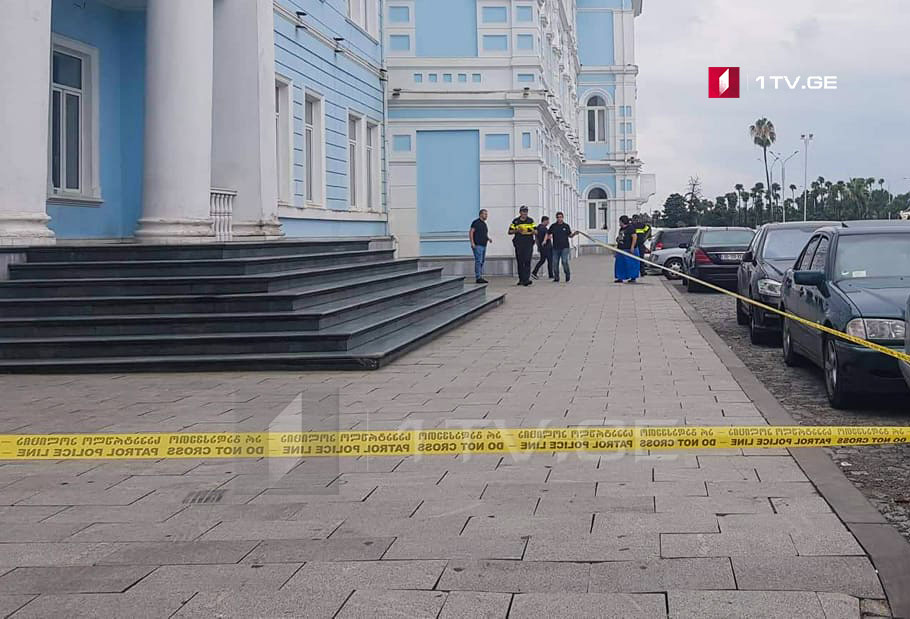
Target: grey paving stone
37, 532
191, 578
514, 577
657, 523
139, 532
284, 603
805, 505
319, 575
96, 579
555, 506
82, 496
475, 605
605, 546
661, 575
435, 508
744, 605
762, 490
139, 606
589, 605
458, 547
839, 606
402, 527
177, 553
271, 529
26, 514
655, 489
733, 544
499, 490
850, 575
50, 554
89, 514
305, 550
10, 603
403, 604
713, 505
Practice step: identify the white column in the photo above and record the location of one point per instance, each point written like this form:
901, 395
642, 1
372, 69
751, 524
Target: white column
25, 43
244, 140
178, 122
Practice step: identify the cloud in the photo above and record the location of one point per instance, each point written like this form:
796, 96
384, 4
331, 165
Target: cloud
861, 128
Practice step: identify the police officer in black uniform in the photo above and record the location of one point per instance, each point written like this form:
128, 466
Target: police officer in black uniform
523, 233
643, 232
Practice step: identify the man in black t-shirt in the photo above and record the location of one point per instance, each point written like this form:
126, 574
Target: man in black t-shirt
480, 237
560, 233
523, 234
544, 248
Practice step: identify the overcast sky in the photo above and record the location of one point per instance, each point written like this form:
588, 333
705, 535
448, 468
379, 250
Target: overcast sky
861, 129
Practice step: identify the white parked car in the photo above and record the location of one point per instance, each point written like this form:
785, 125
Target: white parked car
666, 250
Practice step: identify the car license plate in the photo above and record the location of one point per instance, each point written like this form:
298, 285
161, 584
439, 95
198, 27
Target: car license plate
731, 257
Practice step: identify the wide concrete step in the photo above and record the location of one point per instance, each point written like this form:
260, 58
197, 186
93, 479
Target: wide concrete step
202, 251
362, 343
247, 265
369, 356
284, 301
196, 285
311, 318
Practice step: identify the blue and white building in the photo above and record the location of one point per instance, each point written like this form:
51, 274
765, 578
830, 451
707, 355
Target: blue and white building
197, 120
154, 119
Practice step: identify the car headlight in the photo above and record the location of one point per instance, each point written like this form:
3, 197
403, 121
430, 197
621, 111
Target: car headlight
769, 287
877, 329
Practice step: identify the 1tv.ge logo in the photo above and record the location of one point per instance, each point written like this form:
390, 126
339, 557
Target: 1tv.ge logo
723, 82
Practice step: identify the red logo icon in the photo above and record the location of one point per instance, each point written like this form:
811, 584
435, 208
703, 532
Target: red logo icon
723, 82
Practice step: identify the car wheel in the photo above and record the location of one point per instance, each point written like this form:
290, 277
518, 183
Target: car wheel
838, 395
791, 357
757, 335
674, 264
742, 318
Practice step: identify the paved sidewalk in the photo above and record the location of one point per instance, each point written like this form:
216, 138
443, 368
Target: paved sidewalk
716, 534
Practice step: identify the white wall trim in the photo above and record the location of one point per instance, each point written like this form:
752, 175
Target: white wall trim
294, 212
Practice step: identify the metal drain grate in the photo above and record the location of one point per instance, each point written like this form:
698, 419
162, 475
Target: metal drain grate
204, 496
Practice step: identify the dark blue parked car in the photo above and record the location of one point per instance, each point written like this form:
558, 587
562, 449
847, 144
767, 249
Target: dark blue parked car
854, 278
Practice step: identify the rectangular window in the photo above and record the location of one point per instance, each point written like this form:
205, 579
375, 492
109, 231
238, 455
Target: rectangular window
401, 143
475, 77
495, 15
526, 140
526, 78
592, 215
447, 77
418, 78
628, 127
622, 110
496, 141
524, 14
399, 14
353, 180
372, 165
399, 43
463, 78
525, 41
597, 125
67, 126
628, 110
313, 140
363, 13
495, 43
433, 77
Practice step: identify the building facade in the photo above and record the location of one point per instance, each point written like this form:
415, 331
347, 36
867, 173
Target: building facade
499, 103
201, 120
190, 120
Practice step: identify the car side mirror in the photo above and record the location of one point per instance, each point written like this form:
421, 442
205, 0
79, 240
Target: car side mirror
749, 257
684, 246
809, 278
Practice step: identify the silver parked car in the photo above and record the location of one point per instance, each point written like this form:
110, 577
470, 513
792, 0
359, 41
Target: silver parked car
666, 250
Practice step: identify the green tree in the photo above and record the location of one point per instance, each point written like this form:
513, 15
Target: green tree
676, 213
764, 135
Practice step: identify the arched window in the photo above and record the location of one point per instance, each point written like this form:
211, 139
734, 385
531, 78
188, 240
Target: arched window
597, 209
597, 119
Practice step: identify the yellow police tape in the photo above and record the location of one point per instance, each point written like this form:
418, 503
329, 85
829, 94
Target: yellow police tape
435, 442
885, 350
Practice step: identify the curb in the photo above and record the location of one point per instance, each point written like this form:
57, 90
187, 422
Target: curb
886, 548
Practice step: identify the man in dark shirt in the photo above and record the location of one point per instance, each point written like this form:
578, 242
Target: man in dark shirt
480, 237
523, 233
560, 233
544, 248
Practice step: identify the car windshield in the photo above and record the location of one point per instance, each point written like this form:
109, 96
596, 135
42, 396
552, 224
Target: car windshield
727, 237
673, 238
785, 244
872, 255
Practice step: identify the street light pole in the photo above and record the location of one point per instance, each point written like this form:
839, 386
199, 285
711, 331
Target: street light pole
806, 138
783, 180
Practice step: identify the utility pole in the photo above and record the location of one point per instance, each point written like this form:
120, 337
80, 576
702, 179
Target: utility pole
806, 138
783, 179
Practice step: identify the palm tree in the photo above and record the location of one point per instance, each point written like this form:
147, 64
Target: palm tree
764, 135
739, 191
757, 190
841, 190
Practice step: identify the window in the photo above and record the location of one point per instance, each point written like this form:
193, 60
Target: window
597, 206
497, 141
401, 143
284, 138
418, 78
526, 140
524, 13
73, 131
463, 78
806, 258
353, 155
364, 14
495, 43
495, 15
525, 41
475, 77
597, 120
313, 144
372, 165
447, 77
821, 255
433, 77
526, 78
399, 14
399, 43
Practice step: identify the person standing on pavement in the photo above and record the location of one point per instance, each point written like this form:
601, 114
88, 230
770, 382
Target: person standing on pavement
560, 233
523, 233
642, 234
544, 248
480, 237
626, 269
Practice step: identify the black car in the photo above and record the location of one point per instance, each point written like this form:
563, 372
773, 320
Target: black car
714, 255
853, 278
773, 251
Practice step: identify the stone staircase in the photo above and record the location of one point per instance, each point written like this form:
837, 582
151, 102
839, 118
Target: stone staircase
287, 305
